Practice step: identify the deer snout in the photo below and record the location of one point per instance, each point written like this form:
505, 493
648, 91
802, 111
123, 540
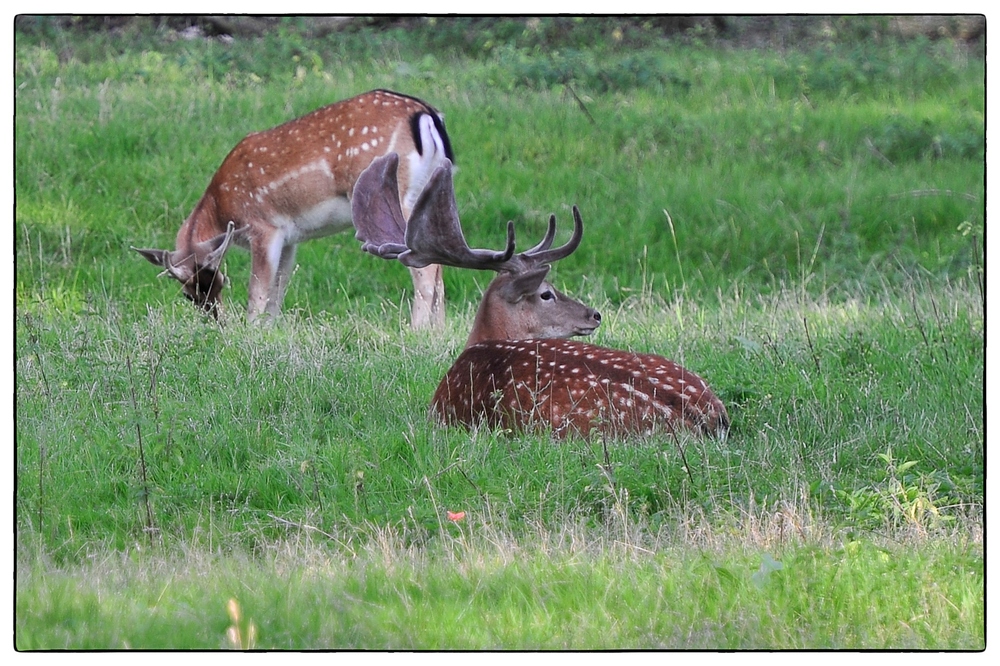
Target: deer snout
204, 289
593, 319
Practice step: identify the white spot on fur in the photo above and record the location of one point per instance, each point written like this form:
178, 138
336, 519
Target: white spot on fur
663, 409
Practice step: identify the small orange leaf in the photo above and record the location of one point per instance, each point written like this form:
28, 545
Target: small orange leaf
455, 517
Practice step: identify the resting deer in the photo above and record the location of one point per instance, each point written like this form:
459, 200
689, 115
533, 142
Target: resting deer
517, 370
293, 183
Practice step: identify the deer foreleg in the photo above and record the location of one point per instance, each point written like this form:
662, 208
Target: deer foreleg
266, 252
280, 283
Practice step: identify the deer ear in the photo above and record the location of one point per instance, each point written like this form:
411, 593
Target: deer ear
165, 260
155, 257
524, 284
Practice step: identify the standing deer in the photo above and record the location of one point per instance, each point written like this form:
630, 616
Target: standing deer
517, 370
292, 183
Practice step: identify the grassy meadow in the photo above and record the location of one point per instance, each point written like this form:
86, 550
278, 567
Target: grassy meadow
802, 226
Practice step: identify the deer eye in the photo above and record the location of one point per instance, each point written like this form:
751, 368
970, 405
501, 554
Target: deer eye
547, 295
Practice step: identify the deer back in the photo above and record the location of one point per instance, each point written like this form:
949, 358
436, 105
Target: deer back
573, 387
303, 166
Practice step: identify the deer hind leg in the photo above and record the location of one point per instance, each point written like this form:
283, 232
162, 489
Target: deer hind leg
428, 298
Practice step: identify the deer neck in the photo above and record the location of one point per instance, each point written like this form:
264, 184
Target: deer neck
487, 325
483, 330
496, 319
202, 224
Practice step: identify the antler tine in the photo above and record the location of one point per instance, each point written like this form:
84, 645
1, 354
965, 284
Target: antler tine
168, 269
214, 258
547, 256
550, 235
434, 232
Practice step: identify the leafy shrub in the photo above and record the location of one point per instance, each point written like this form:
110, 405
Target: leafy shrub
907, 139
593, 72
846, 69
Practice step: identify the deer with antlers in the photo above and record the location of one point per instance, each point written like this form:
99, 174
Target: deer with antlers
293, 183
518, 370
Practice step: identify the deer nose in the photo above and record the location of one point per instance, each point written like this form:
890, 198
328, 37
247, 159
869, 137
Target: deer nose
596, 316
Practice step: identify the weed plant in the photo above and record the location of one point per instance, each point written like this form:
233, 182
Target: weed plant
802, 227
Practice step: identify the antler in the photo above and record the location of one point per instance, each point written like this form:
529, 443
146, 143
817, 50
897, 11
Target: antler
541, 254
433, 234
375, 209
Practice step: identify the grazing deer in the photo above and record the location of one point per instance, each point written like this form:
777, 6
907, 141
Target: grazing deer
293, 183
517, 370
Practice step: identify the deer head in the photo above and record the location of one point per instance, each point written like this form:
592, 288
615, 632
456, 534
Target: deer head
518, 304
197, 270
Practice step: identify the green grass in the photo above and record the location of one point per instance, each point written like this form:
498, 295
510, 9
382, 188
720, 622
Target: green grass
763, 181
757, 587
330, 416
803, 228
